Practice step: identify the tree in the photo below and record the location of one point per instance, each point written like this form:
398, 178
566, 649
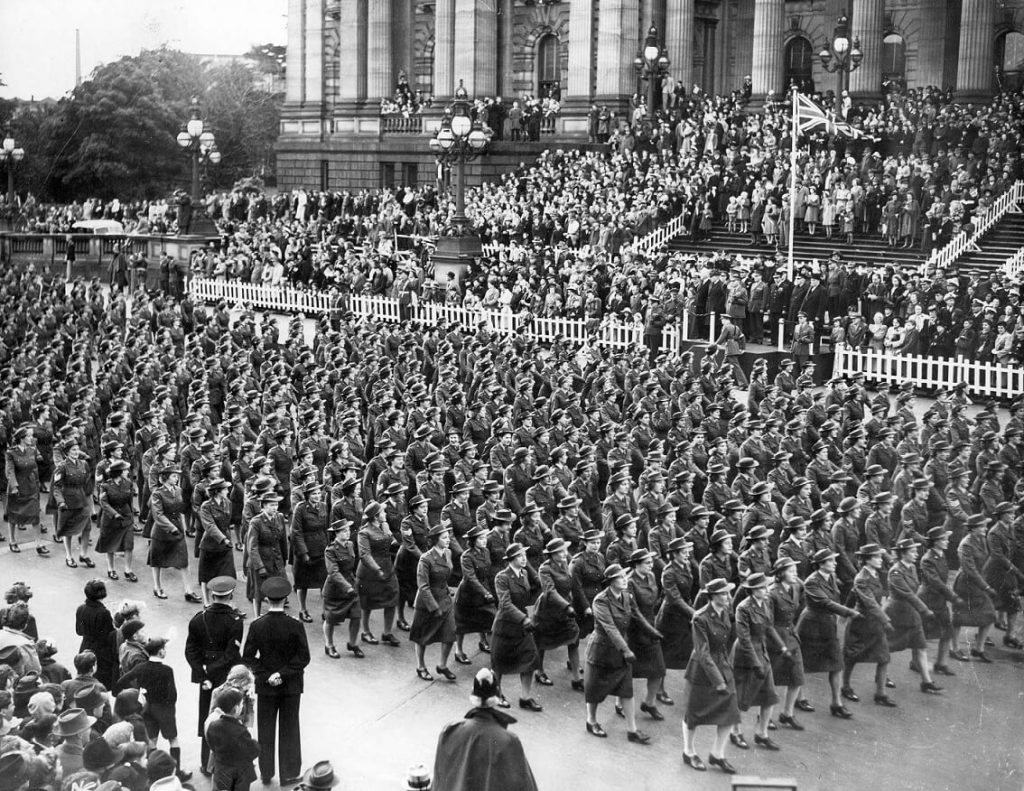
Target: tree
270, 58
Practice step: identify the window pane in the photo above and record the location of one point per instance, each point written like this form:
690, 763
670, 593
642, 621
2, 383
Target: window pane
1013, 52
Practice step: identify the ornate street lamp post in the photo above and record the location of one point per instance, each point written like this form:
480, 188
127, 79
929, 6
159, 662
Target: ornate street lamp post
460, 139
10, 155
201, 145
839, 55
652, 64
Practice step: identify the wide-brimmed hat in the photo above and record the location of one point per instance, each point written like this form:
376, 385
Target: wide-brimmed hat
555, 545
638, 556
438, 529
883, 498
756, 580
514, 550
846, 505
320, 775
758, 532
678, 544
719, 536
593, 535
613, 571
795, 523
976, 520
717, 585
869, 550
937, 534
904, 544
475, 532
541, 472
823, 555
782, 564
72, 722
89, 697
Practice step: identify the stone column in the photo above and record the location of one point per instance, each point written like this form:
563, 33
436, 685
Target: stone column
314, 79
868, 23
506, 77
931, 47
352, 51
476, 46
679, 40
768, 46
380, 80
295, 71
618, 42
974, 79
581, 50
444, 48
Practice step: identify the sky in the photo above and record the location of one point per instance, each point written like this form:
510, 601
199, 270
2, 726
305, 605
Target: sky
37, 37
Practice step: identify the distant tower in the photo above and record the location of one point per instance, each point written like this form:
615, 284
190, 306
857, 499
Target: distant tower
78, 58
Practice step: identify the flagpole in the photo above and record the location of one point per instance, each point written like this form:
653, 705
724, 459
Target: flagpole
792, 185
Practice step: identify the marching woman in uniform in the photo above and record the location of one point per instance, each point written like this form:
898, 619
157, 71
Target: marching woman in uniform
710, 685
817, 627
266, 545
866, 640
1001, 573
786, 599
937, 596
433, 619
975, 593
413, 529
513, 649
554, 615
117, 518
609, 657
309, 540
587, 570
167, 547
70, 479
907, 612
378, 583
339, 594
650, 662
216, 556
676, 611
474, 599
755, 685
22, 468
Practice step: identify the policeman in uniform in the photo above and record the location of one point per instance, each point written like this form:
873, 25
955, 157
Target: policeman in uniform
213, 647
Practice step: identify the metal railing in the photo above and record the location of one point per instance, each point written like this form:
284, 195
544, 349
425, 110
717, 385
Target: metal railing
659, 237
967, 241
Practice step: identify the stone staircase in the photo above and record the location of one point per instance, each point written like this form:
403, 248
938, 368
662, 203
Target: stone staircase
871, 250
1002, 241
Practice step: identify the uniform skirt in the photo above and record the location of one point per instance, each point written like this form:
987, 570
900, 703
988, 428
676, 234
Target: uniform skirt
649, 662
405, 569
432, 627
677, 639
116, 535
472, 617
311, 575
907, 629
23, 509
600, 681
555, 626
171, 554
71, 521
866, 641
939, 627
705, 706
339, 606
752, 691
216, 563
376, 593
787, 671
819, 640
513, 652
977, 609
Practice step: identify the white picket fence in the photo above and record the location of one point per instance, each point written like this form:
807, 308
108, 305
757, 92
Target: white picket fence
1014, 265
983, 221
283, 299
609, 332
990, 380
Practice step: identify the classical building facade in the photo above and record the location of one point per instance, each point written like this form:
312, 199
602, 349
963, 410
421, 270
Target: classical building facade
345, 56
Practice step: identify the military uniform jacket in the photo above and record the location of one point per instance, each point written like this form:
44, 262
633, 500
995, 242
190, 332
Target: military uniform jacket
309, 530
268, 543
214, 642
432, 574
709, 663
903, 587
545, 498
459, 520
587, 571
277, 643
755, 628
515, 593
614, 615
215, 518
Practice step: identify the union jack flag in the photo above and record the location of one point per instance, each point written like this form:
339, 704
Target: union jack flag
810, 118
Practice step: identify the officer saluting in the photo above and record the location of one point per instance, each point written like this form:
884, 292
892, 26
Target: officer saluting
213, 647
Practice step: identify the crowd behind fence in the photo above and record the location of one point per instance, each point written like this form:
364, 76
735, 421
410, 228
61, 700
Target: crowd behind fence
991, 380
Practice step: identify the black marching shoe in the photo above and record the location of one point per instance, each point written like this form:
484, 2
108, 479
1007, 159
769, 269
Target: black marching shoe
805, 705
840, 711
785, 719
530, 704
694, 762
930, 687
723, 764
943, 670
638, 737
849, 694
766, 742
652, 711
885, 700
738, 740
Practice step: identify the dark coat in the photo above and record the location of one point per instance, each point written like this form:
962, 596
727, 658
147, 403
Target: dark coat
478, 753
277, 643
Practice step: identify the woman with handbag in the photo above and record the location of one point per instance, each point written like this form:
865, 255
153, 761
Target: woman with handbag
339, 595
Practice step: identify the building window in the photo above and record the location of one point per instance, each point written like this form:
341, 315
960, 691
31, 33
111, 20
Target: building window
548, 70
387, 175
325, 175
894, 58
1010, 61
410, 174
799, 63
